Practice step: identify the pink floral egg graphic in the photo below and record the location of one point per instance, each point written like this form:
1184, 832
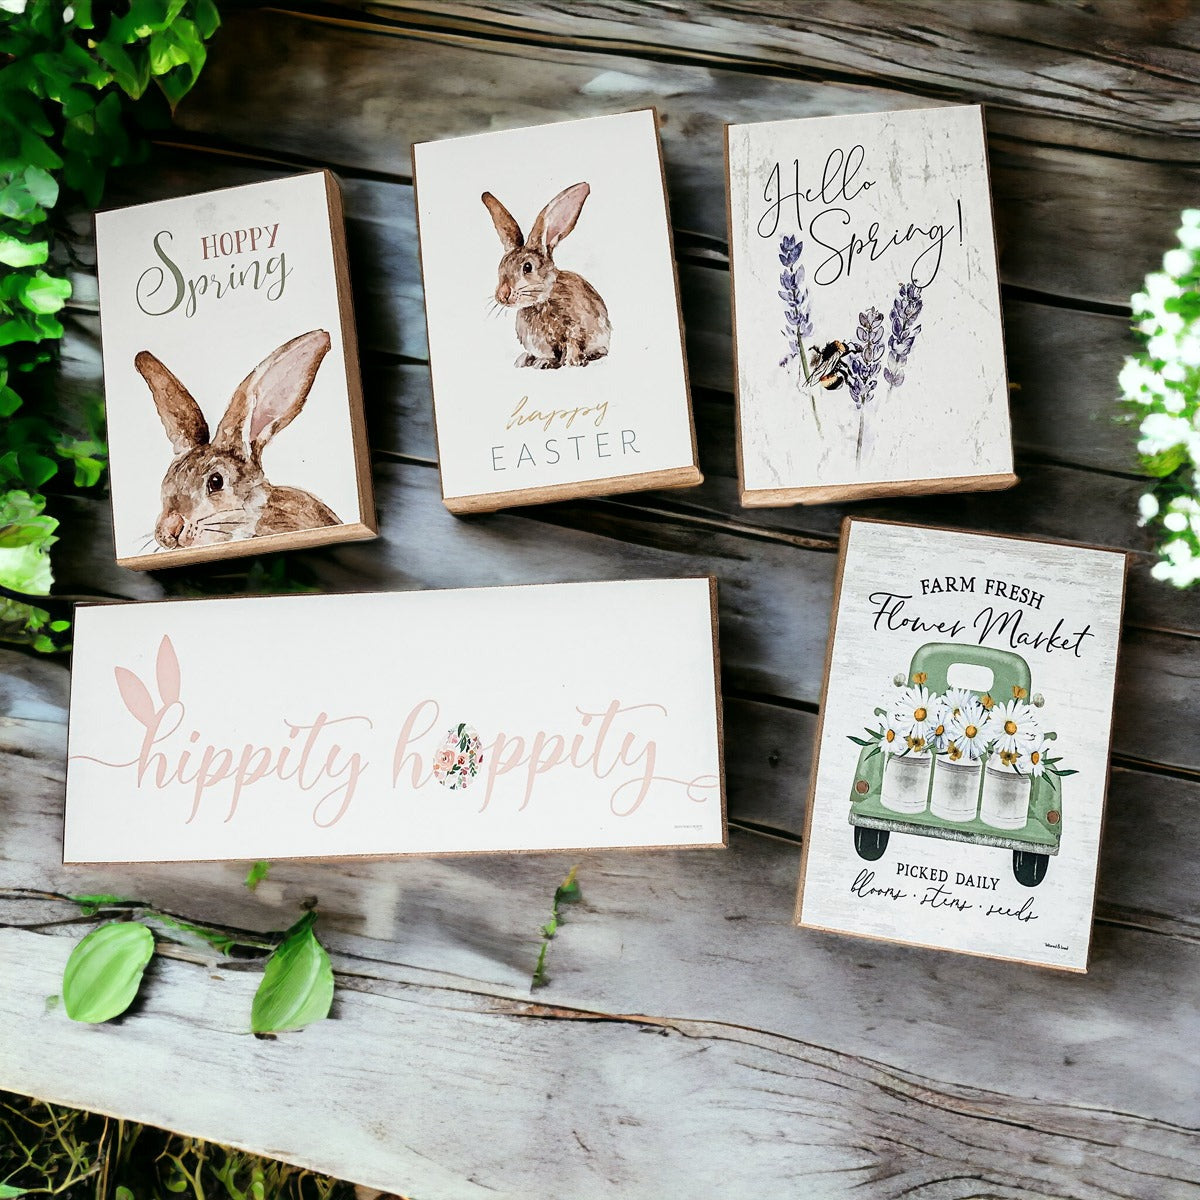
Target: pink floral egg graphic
459, 759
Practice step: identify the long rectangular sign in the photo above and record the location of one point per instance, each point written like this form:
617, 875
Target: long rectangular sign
509, 718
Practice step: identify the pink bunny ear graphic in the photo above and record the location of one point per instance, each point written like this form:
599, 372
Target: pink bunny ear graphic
136, 697
167, 669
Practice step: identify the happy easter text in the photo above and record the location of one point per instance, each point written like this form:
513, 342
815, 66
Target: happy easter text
563, 445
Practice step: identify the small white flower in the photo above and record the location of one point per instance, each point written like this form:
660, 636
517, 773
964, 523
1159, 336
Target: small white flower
1136, 380
1162, 431
1190, 218
1176, 522
1177, 262
13, 6
1162, 345
1189, 237
1188, 351
1147, 508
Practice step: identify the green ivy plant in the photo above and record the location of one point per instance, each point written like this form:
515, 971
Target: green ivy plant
1161, 391
75, 79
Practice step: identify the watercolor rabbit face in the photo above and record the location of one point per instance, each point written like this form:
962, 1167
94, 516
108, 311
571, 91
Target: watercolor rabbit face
215, 490
561, 318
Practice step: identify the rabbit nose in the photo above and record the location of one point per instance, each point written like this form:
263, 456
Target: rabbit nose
503, 292
172, 526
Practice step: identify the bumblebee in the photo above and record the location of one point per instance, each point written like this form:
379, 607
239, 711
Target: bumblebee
827, 365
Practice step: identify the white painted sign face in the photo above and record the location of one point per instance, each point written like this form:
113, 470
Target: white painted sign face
231, 374
867, 310
555, 340
510, 718
962, 761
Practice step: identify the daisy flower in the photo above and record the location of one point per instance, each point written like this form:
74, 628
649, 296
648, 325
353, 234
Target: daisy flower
969, 730
915, 714
889, 740
1032, 760
943, 731
957, 699
1011, 725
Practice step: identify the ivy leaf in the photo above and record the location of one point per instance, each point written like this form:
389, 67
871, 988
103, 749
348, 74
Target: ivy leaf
42, 186
297, 986
45, 293
105, 970
16, 253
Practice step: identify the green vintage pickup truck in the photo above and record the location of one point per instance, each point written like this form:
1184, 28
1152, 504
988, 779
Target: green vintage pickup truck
978, 801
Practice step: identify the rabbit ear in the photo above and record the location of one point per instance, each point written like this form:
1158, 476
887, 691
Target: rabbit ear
506, 225
558, 218
180, 414
268, 399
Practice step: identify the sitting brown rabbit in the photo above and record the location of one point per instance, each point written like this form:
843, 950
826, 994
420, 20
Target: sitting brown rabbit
561, 319
215, 491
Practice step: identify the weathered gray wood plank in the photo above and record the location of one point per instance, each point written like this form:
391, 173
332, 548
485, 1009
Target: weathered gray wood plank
1126, 67
1066, 224
412, 1089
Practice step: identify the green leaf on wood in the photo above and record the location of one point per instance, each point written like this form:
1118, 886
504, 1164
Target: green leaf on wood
256, 874
297, 986
104, 972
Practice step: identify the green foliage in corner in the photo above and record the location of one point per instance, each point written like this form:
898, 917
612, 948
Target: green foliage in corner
71, 79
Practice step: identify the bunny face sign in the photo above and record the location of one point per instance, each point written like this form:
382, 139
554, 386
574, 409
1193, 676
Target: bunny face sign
225, 320
556, 353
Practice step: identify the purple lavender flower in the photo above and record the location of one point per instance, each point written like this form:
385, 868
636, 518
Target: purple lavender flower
864, 364
906, 308
796, 310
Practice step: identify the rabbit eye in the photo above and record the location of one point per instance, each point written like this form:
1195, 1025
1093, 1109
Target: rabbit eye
215, 483
528, 268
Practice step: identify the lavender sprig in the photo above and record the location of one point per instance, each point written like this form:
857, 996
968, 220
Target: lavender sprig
864, 364
796, 310
906, 309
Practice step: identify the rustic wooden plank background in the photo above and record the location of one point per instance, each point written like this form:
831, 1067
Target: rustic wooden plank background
690, 1041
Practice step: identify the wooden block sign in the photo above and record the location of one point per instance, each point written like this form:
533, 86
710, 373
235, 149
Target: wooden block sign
867, 330
508, 718
962, 757
552, 305
231, 374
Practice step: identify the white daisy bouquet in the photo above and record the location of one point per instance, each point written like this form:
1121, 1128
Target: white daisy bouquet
963, 726
1161, 389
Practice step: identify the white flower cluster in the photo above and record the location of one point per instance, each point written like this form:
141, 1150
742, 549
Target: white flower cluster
964, 726
1164, 382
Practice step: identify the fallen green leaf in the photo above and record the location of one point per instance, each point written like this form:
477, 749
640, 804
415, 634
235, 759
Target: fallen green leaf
297, 986
7, 1190
104, 971
257, 874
